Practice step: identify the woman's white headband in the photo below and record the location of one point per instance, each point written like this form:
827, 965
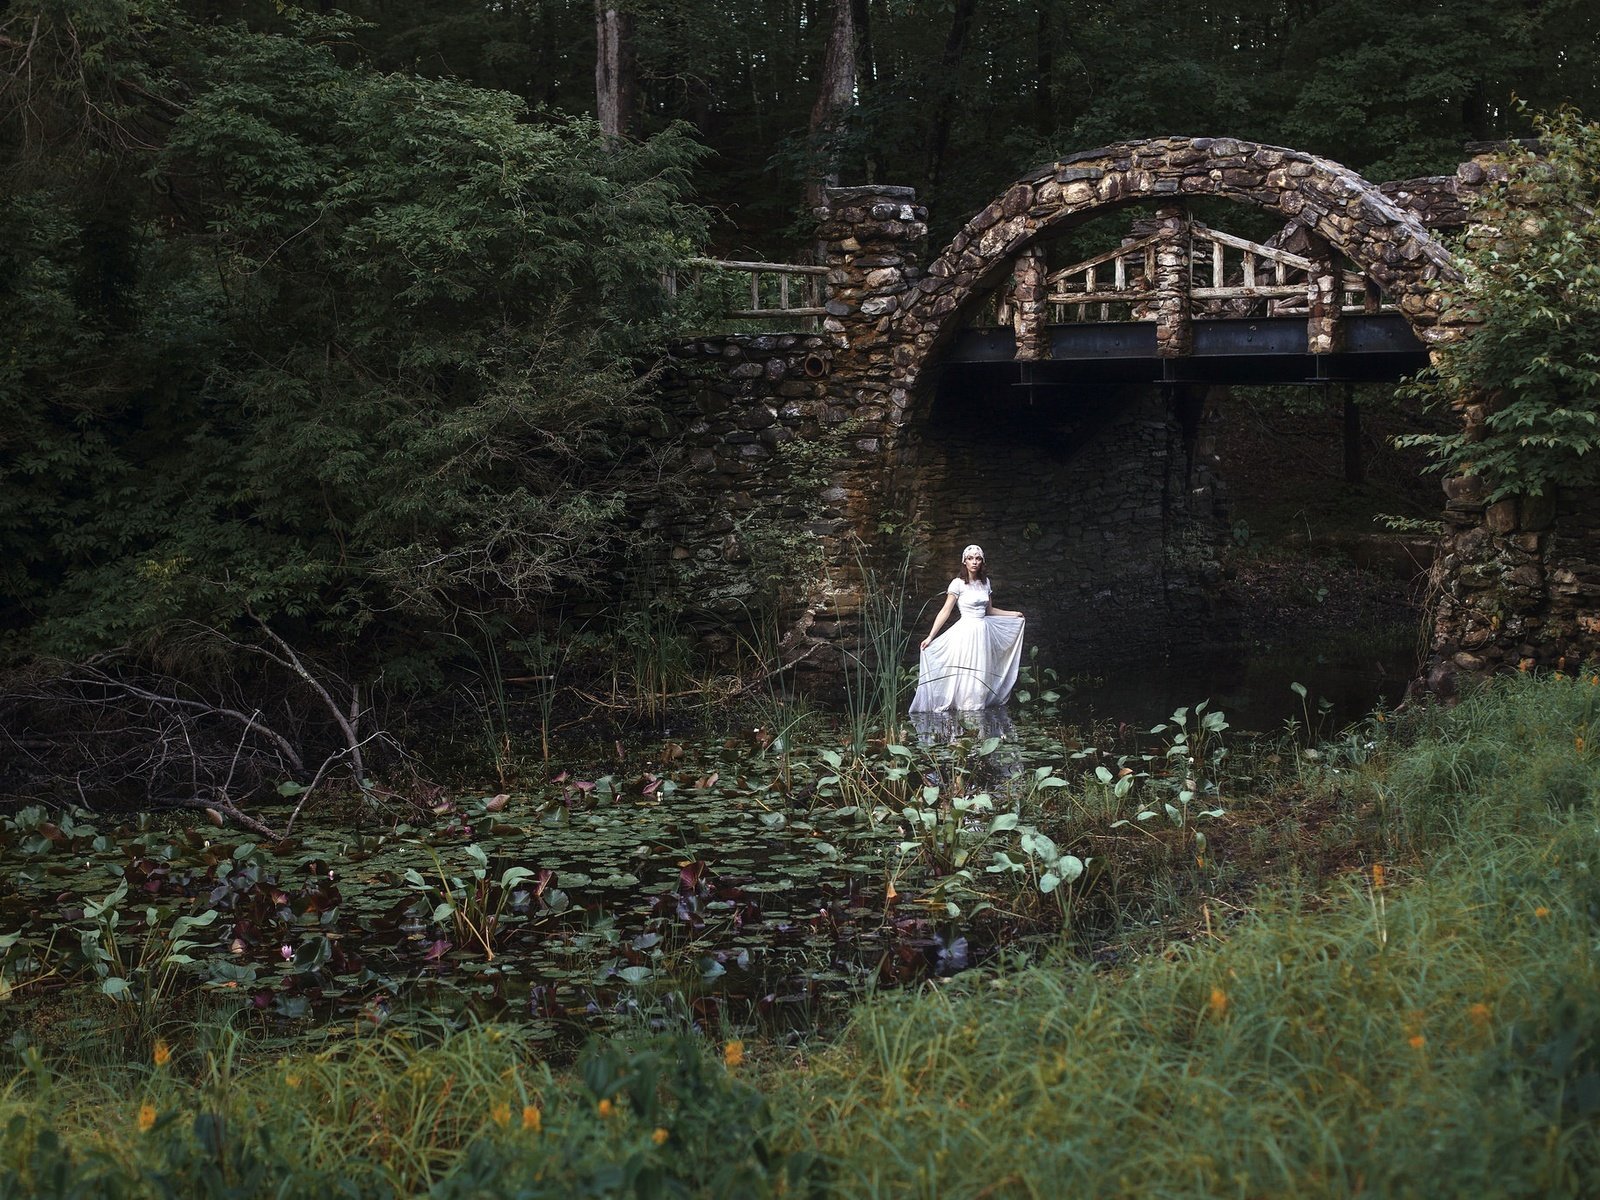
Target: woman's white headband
978, 550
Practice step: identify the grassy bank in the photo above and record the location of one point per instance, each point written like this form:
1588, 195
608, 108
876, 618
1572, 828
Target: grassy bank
1433, 1038
1425, 1023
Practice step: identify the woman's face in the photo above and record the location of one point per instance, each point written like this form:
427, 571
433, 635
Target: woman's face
973, 561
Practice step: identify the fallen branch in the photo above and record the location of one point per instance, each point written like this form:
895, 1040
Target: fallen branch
225, 811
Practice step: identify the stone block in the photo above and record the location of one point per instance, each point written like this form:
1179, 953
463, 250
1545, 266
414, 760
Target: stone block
1017, 200
1501, 516
1466, 490
1078, 195
1538, 512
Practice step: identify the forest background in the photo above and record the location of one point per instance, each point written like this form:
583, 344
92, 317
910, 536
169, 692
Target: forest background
327, 341
328, 334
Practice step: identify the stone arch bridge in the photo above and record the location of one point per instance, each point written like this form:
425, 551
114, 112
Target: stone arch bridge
1056, 412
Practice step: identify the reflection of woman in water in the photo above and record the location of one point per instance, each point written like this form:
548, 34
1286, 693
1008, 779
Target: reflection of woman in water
975, 664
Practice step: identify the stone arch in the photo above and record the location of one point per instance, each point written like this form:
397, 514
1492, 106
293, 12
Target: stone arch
1354, 216
892, 319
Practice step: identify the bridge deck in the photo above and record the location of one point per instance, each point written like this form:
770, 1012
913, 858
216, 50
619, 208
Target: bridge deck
1378, 347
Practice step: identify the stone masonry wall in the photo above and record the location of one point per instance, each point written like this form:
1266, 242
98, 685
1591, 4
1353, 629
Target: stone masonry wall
1516, 584
793, 436
734, 403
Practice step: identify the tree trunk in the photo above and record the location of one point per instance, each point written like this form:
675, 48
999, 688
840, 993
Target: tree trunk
866, 67
867, 82
835, 94
1354, 472
945, 107
615, 80
1044, 101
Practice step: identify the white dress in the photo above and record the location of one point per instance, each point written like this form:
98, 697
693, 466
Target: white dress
974, 663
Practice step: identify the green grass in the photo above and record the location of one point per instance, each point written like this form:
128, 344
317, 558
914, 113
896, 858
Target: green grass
1437, 1034
1439, 1038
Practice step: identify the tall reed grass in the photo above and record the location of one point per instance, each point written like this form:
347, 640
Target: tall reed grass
874, 696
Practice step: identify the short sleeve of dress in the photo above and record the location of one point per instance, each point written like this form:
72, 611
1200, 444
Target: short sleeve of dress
955, 587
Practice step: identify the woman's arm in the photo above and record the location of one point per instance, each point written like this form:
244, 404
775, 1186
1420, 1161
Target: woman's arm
944, 615
1002, 612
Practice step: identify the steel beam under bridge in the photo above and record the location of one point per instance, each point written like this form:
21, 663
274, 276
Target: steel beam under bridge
1378, 348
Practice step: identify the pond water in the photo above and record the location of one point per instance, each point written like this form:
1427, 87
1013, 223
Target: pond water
1253, 682
730, 881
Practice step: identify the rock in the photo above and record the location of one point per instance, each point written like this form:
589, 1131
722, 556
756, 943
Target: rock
1465, 489
1501, 516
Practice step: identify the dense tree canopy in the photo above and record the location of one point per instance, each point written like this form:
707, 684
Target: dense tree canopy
293, 336
1390, 90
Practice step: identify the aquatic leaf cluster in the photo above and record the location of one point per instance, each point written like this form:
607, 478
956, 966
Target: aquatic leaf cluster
747, 880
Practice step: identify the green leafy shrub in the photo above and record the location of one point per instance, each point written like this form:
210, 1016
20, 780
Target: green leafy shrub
1533, 284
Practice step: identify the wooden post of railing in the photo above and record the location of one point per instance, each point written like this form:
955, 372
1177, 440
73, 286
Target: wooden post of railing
1028, 309
1324, 330
1174, 329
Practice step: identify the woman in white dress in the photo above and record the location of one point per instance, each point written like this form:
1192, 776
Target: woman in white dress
975, 664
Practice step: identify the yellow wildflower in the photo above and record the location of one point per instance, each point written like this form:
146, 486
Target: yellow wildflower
1541, 912
1377, 876
147, 1117
500, 1113
162, 1052
659, 1137
606, 1109
292, 1079
1479, 1014
1578, 742
733, 1053
1218, 1004
1417, 1041
532, 1118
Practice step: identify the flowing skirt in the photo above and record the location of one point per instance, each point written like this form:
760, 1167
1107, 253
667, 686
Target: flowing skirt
974, 665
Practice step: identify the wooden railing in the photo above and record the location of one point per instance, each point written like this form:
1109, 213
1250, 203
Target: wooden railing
778, 291
1229, 277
